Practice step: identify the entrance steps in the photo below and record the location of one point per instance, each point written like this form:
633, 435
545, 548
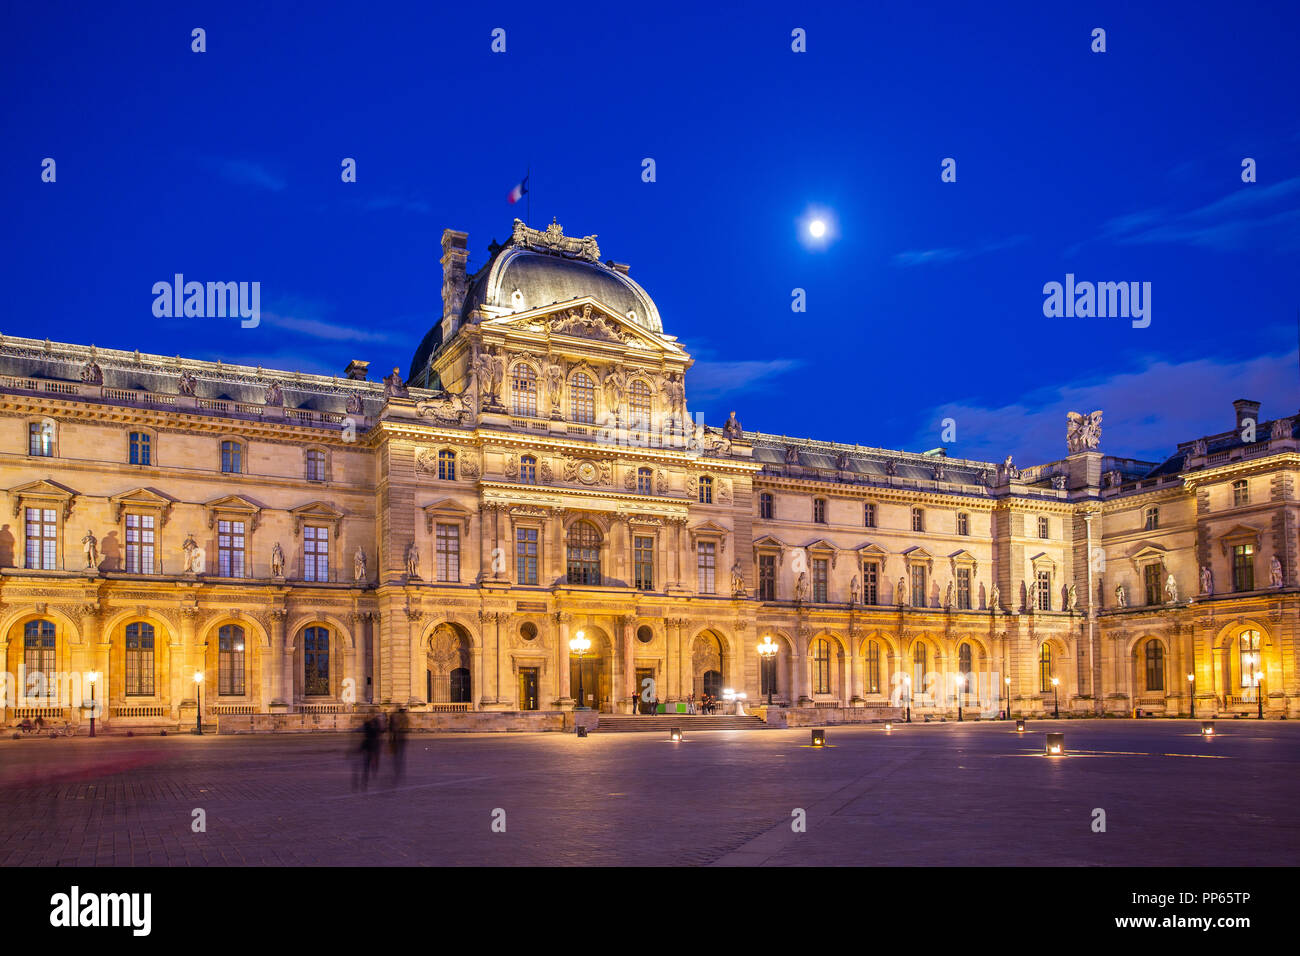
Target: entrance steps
689, 723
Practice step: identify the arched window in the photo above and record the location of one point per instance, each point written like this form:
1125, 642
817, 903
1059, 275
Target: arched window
316, 662
38, 660
230, 660
706, 490
139, 660
460, 689
447, 465
140, 448
232, 458
765, 505
873, 668
822, 667
528, 470
1155, 665
582, 399
584, 553
644, 481
919, 667
1045, 668
1249, 661
639, 405
964, 665
524, 389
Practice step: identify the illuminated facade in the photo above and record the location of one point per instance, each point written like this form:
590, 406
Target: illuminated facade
316, 546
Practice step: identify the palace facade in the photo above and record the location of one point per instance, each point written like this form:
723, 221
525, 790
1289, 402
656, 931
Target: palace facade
317, 545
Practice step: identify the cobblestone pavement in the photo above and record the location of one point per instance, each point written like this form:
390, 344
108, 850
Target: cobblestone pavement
925, 794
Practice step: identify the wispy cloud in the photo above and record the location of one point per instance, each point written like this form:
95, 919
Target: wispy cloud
329, 331
1251, 214
920, 257
708, 381
1147, 412
245, 172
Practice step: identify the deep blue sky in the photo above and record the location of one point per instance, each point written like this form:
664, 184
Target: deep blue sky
1117, 166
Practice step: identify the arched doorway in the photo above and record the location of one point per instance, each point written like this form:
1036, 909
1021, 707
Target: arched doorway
590, 676
708, 666
448, 660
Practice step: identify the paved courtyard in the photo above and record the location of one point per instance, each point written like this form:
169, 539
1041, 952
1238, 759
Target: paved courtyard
925, 794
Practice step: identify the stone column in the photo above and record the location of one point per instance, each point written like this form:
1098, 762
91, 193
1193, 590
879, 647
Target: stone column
176, 661
278, 670
488, 658
800, 688
562, 621
95, 657
557, 561
629, 664
417, 663
856, 668
373, 631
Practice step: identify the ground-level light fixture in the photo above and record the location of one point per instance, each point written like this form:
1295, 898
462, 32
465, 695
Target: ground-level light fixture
198, 703
1055, 745
675, 734
889, 725
1020, 726
1207, 728
819, 738
92, 678
582, 731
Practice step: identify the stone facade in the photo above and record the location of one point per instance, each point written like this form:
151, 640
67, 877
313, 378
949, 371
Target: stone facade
316, 547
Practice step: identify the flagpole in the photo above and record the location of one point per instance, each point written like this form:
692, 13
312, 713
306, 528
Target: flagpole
529, 209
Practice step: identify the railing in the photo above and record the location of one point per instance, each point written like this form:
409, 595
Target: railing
449, 708
321, 708
141, 710
62, 388
241, 709
33, 712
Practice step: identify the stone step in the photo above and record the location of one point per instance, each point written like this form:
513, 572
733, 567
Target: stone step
689, 723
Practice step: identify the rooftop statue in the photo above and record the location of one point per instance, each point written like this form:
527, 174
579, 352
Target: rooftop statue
1083, 432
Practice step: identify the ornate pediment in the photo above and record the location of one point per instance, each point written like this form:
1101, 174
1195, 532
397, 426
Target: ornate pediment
141, 499
233, 506
316, 512
585, 318
446, 511
44, 492
553, 241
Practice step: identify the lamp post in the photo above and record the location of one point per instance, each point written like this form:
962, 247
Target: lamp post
1056, 703
198, 702
580, 645
907, 683
767, 652
961, 680
1256, 661
1007, 681
1191, 700
91, 678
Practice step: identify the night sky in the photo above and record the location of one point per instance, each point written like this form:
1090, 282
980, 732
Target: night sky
928, 303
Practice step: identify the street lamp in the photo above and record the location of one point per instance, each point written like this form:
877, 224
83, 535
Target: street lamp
907, 683
1191, 702
1056, 703
198, 701
767, 651
580, 645
1007, 681
961, 680
91, 678
1257, 676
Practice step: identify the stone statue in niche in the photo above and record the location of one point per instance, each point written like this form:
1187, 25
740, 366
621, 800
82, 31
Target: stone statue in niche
1275, 572
801, 586
853, 590
359, 565
193, 555
1171, 590
900, 592
555, 386
412, 561
994, 597
277, 561
737, 580
187, 385
1071, 598
1207, 580
1031, 601
91, 373
1121, 596
274, 394
90, 545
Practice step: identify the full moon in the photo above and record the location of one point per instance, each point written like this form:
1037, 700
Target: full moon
817, 228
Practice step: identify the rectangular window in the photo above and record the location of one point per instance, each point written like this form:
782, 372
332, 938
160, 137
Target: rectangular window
765, 505
767, 577
230, 549
1044, 590
448, 552
643, 562
316, 554
139, 660
872, 676
1042, 527
42, 539
1152, 582
315, 466
140, 544
140, 448
706, 563
1152, 519
870, 582
819, 510
963, 589
869, 515
232, 458
963, 523
40, 439
1243, 567
918, 586
918, 519
526, 555
820, 569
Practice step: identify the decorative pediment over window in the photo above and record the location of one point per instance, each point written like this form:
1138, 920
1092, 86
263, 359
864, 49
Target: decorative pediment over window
918, 555
235, 507
586, 318
316, 513
43, 493
768, 544
1151, 554
963, 559
141, 499
708, 531
1042, 562
446, 511
1239, 534
821, 548
872, 552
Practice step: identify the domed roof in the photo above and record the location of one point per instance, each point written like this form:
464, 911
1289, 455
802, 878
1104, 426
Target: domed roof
521, 279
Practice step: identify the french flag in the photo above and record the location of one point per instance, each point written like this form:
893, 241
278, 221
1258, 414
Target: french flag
519, 191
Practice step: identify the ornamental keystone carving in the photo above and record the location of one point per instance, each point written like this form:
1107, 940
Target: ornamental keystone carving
554, 242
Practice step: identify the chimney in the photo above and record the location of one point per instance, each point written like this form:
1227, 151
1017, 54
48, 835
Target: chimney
1246, 409
455, 253
356, 370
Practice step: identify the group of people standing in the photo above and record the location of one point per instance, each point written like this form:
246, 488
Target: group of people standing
395, 725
